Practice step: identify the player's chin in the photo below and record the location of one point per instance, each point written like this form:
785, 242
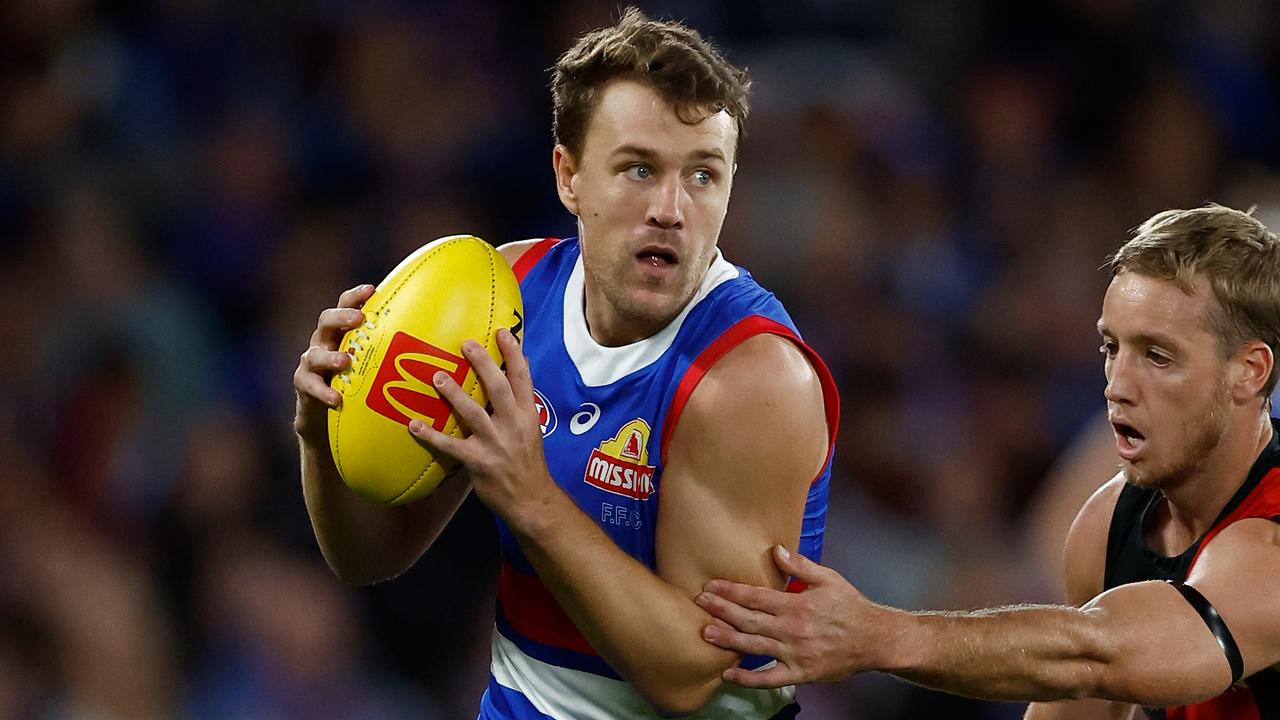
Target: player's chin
1144, 474
1132, 476
657, 305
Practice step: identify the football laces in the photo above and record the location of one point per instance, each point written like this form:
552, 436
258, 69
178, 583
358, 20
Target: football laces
356, 349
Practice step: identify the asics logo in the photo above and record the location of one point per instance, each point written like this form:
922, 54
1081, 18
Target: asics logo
585, 419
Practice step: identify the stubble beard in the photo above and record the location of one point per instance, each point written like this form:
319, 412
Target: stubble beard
1202, 438
622, 294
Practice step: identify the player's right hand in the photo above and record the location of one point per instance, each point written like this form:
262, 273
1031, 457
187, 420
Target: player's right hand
816, 634
320, 360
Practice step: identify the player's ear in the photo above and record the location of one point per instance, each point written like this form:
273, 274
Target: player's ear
566, 167
1255, 362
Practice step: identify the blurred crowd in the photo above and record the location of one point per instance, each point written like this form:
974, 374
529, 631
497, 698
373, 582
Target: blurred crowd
931, 187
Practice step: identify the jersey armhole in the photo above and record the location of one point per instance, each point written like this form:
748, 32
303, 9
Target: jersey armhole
531, 257
1127, 505
738, 333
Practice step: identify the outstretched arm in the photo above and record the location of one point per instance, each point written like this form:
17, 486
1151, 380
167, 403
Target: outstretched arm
1013, 653
1140, 643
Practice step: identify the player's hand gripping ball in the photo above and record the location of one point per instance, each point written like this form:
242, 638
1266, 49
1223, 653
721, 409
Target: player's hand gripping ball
450, 290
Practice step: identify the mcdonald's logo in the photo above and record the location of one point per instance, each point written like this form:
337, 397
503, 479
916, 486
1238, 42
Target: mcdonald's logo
402, 389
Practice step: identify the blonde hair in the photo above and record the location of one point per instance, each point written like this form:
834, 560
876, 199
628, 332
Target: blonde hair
1235, 252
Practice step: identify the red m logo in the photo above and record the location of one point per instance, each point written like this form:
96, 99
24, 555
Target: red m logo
402, 389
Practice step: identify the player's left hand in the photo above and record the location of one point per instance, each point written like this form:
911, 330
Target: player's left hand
503, 455
814, 634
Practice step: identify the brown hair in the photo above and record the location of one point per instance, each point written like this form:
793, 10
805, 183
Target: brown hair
672, 58
1233, 251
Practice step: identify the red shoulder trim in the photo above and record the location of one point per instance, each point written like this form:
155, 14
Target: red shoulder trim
745, 328
1263, 501
531, 257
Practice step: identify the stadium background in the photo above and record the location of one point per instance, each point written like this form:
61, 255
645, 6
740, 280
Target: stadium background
930, 186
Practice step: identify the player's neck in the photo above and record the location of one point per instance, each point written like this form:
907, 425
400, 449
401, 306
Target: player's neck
609, 326
1194, 505
619, 331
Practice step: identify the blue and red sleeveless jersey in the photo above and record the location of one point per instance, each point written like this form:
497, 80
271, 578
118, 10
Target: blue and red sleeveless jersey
607, 414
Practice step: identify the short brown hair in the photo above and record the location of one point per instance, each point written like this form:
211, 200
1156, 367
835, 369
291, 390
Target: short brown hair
1233, 251
672, 58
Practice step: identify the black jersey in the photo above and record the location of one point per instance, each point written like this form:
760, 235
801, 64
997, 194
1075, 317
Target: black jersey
1256, 697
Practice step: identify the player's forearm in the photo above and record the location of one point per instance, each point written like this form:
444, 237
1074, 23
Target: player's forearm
363, 542
353, 534
658, 650
1016, 653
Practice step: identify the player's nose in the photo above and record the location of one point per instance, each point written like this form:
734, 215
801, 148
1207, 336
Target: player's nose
1120, 384
666, 204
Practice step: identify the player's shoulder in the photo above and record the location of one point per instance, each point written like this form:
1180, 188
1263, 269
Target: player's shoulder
764, 378
1232, 540
761, 390
1085, 554
1100, 506
762, 360
513, 251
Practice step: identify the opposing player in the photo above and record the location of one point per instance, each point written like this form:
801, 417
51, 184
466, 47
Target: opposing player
1175, 562
679, 427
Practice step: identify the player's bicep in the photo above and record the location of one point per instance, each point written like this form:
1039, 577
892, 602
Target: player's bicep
739, 466
1153, 648
1236, 575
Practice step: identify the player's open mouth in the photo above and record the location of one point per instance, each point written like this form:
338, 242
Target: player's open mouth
1129, 441
657, 257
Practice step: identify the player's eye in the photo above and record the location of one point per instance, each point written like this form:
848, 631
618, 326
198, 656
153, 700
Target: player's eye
702, 178
639, 172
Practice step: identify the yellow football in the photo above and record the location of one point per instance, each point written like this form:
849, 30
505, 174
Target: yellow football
448, 291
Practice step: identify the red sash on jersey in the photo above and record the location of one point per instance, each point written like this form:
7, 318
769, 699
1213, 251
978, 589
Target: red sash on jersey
1238, 702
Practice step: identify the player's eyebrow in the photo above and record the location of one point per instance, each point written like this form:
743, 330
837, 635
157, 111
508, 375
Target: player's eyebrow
636, 151
646, 153
1142, 338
